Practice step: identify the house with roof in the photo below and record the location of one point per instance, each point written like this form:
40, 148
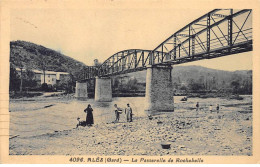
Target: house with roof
50, 77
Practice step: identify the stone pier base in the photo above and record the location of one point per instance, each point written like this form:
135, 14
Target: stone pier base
159, 92
81, 90
103, 89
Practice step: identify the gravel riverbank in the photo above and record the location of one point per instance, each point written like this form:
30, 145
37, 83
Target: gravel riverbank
188, 132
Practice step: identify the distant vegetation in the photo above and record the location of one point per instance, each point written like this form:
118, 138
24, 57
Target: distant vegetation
33, 56
30, 56
195, 79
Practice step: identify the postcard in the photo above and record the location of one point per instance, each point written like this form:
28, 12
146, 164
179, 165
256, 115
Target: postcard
129, 82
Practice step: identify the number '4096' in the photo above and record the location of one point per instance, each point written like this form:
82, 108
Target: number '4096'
76, 159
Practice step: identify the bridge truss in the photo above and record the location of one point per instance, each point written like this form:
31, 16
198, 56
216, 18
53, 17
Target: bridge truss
218, 33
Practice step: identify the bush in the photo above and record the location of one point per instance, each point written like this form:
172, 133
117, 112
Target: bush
45, 87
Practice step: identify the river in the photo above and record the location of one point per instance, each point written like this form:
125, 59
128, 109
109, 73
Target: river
42, 115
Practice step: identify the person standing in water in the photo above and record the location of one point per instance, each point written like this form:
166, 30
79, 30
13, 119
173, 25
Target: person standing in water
217, 108
89, 117
197, 106
129, 113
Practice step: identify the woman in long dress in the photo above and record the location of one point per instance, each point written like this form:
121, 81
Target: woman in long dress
89, 117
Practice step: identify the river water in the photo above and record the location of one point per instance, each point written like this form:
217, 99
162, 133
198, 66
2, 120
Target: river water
38, 116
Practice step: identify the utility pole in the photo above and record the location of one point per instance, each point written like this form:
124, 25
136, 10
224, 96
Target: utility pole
43, 74
21, 83
21, 68
42, 64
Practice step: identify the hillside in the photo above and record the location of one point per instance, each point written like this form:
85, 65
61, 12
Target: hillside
184, 73
33, 56
202, 78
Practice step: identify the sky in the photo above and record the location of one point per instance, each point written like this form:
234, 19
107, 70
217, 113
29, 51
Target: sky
86, 34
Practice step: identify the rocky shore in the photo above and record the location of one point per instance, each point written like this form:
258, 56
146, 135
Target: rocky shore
188, 133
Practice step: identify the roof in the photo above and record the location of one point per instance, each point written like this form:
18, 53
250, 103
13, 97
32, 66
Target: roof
46, 72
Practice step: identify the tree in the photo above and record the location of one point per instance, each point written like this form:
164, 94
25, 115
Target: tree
44, 87
202, 81
29, 74
29, 81
246, 86
116, 83
67, 83
14, 79
207, 85
176, 85
21, 65
235, 86
194, 86
42, 63
214, 82
132, 84
184, 88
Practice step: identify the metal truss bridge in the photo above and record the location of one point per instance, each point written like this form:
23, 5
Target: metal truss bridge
220, 32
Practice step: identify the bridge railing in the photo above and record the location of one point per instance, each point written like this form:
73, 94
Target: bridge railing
218, 33
134, 60
217, 29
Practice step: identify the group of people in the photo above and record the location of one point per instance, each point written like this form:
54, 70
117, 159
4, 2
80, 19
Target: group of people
210, 107
118, 111
128, 112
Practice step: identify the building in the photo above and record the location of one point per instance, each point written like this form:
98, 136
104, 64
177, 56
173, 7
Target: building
96, 63
51, 77
62, 76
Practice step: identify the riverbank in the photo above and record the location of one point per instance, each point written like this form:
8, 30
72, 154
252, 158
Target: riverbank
19, 95
31, 94
188, 132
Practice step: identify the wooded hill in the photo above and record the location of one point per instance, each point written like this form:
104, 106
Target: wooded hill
199, 79
33, 56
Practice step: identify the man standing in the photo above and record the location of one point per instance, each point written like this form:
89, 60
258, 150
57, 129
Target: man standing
217, 108
129, 113
117, 113
197, 106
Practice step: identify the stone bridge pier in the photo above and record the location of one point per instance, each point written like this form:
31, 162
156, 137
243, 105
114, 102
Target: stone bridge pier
159, 92
81, 90
103, 89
